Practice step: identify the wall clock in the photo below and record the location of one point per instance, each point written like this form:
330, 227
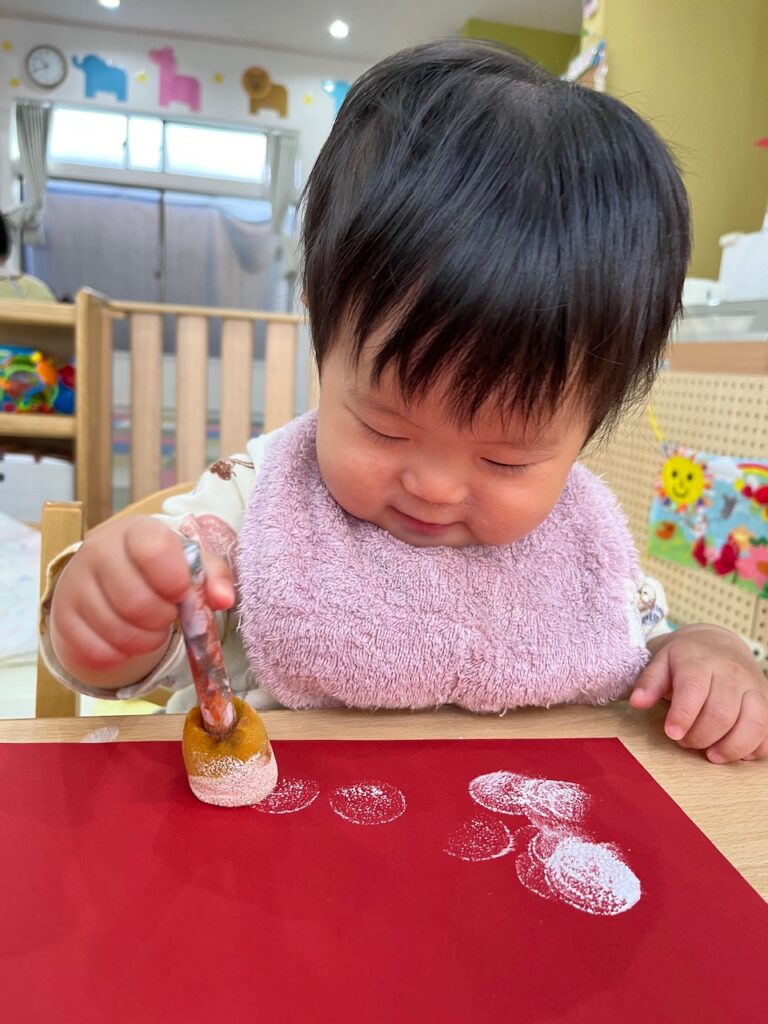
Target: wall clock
46, 66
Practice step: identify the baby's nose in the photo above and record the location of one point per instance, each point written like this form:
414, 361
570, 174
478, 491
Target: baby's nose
433, 485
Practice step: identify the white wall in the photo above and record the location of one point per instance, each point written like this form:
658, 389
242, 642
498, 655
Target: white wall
310, 109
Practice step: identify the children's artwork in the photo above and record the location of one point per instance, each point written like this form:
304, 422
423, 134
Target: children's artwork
263, 93
102, 76
451, 881
175, 88
337, 91
711, 512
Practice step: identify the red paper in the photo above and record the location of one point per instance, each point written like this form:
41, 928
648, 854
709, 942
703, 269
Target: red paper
126, 899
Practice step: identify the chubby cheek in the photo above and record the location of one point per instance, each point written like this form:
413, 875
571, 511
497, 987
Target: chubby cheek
511, 513
355, 477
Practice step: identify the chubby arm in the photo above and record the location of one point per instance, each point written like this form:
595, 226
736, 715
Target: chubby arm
108, 615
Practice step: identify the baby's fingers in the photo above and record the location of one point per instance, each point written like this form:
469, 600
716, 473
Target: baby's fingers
218, 582
690, 688
749, 736
653, 683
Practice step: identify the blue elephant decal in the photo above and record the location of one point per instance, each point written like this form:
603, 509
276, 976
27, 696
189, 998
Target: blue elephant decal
101, 76
337, 91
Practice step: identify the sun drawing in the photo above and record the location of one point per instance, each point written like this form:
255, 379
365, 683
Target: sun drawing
684, 482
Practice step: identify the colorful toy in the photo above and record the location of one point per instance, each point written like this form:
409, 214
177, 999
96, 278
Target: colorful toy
31, 382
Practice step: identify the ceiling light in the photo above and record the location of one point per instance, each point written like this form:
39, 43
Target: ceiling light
339, 29
110, 3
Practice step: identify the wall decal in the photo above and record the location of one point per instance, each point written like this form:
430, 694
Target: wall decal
337, 91
102, 76
175, 88
263, 93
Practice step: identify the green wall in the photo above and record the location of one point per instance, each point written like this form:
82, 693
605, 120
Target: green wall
698, 70
551, 49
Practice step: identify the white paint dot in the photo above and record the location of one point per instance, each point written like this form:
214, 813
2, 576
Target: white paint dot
530, 871
368, 803
480, 839
592, 877
107, 734
289, 796
546, 802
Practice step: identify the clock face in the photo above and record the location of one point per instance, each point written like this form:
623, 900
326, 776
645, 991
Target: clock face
46, 66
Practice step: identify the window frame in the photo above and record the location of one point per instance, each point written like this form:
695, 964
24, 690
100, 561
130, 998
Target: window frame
193, 183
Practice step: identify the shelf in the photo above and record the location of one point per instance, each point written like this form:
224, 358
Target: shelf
36, 425
37, 314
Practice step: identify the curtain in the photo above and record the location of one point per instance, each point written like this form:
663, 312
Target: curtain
32, 127
281, 157
282, 151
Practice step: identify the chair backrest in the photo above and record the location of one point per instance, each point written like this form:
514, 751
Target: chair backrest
721, 413
63, 524
191, 326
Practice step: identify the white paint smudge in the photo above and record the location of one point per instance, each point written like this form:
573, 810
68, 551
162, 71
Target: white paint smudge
560, 862
289, 796
530, 871
229, 782
107, 734
545, 802
592, 877
480, 839
368, 803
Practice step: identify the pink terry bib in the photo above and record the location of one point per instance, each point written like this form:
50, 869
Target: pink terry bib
334, 610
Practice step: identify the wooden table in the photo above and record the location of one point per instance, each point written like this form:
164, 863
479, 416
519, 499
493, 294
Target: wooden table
729, 803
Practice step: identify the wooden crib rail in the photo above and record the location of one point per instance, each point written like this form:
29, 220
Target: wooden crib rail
147, 325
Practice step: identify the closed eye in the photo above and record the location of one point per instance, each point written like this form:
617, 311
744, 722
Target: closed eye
506, 467
378, 436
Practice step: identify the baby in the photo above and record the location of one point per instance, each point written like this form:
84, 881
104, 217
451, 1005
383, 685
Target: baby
492, 262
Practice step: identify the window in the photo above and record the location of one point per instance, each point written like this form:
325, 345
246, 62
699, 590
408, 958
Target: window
215, 152
88, 137
132, 142
145, 143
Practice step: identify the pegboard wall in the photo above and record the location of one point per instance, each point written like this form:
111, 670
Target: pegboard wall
720, 413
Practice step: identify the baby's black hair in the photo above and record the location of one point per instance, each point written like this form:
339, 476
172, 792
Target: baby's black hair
524, 236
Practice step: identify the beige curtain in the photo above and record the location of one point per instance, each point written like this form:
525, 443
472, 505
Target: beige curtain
282, 153
32, 126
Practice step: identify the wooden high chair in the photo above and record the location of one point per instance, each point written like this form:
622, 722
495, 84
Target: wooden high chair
149, 324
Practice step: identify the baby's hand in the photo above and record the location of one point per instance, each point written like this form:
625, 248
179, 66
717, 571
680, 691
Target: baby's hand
719, 698
115, 601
